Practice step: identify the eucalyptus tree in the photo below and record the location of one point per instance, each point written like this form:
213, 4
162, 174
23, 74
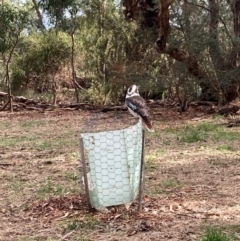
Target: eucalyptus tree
116, 52
39, 14
104, 39
13, 21
43, 58
64, 15
202, 36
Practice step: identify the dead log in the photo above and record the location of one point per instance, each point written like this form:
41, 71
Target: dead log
233, 123
205, 103
3, 94
226, 110
5, 106
113, 108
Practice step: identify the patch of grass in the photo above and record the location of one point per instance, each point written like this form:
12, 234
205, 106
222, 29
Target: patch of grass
204, 131
88, 223
33, 124
23, 141
60, 143
42, 145
217, 117
150, 163
16, 185
73, 156
219, 162
225, 147
166, 186
227, 135
209, 127
191, 134
83, 238
37, 238
5, 125
170, 183
49, 187
71, 176
27, 239
233, 228
32, 139
214, 234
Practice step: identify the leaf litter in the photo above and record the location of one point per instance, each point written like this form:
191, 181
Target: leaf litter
207, 189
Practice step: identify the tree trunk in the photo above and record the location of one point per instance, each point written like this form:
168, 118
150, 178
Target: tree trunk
143, 11
179, 54
131, 9
54, 90
236, 13
214, 49
8, 83
211, 89
40, 18
232, 91
74, 79
8, 80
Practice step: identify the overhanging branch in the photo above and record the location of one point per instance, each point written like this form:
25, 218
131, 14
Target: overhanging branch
179, 54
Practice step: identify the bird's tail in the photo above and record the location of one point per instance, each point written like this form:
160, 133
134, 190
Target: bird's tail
148, 123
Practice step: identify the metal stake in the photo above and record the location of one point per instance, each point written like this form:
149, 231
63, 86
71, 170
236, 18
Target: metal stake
141, 185
85, 173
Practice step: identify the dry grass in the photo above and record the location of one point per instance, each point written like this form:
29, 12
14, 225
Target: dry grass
192, 179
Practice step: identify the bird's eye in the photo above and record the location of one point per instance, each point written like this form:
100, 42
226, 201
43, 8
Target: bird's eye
130, 89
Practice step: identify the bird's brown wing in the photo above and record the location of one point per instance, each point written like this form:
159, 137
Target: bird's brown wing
138, 105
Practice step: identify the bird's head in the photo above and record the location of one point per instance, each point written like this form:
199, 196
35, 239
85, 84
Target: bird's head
133, 89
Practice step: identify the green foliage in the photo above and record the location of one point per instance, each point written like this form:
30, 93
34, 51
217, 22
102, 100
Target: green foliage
113, 54
17, 184
214, 234
43, 57
71, 176
200, 132
209, 127
226, 135
150, 164
13, 20
191, 134
170, 183
104, 94
226, 147
56, 9
50, 188
88, 223
167, 185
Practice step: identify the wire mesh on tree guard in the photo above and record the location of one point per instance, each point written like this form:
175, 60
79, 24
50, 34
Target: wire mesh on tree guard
112, 162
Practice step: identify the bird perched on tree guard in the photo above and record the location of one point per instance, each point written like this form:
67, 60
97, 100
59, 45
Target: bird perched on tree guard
137, 106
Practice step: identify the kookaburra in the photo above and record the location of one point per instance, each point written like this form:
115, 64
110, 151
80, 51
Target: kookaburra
137, 106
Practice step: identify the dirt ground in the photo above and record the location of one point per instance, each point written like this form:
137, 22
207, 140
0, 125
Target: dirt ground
189, 186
